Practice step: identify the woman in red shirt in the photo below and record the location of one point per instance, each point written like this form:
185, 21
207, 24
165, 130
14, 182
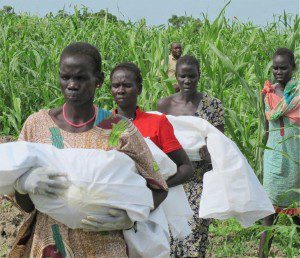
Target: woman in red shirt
126, 86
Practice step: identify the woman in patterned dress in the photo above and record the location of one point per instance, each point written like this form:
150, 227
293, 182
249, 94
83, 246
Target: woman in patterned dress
190, 102
74, 126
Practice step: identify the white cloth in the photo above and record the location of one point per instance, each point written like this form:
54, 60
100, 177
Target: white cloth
166, 166
97, 181
176, 206
96, 184
232, 189
152, 238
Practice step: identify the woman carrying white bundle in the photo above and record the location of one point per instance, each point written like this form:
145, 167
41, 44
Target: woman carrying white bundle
190, 102
73, 126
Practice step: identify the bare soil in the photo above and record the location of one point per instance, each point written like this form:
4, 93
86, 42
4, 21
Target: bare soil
11, 219
4, 139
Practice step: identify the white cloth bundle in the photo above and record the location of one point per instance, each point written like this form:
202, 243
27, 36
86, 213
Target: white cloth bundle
152, 236
187, 133
176, 206
97, 181
231, 189
166, 166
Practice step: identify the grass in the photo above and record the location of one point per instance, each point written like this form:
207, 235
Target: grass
229, 239
235, 62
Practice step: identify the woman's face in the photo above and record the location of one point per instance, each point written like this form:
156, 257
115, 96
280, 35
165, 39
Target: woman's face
282, 69
124, 88
78, 79
187, 77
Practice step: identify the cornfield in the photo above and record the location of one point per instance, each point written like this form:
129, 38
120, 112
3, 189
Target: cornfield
235, 60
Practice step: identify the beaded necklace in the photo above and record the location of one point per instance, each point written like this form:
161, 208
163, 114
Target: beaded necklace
77, 125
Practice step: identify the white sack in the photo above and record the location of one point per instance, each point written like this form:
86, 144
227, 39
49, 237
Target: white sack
178, 212
151, 239
12, 165
177, 215
152, 236
231, 190
232, 178
187, 134
167, 167
97, 181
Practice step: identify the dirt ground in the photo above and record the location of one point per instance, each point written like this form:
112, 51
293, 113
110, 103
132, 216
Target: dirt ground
4, 139
10, 220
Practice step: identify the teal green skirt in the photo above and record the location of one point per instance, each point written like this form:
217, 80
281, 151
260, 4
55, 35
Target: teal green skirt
281, 164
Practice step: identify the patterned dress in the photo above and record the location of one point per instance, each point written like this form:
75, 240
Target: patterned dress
195, 244
281, 172
35, 237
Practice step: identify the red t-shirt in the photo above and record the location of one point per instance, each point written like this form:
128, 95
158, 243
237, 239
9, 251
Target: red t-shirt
158, 129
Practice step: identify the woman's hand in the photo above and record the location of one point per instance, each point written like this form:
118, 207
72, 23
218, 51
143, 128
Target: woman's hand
115, 220
43, 181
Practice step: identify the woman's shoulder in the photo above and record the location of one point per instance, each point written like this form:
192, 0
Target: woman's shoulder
211, 100
164, 103
154, 116
164, 100
211, 109
210, 104
35, 124
37, 117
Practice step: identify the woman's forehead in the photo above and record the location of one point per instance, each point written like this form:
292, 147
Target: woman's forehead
123, 74
76, 63
281, 59
186, 67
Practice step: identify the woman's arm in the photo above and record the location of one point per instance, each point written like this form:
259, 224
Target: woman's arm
221, 128
185, 170
158, 197
24, 201
266, 122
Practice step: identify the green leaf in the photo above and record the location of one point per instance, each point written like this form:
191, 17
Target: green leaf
116, 132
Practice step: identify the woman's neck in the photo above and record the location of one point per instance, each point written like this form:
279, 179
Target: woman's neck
79, 114
283, 84
128, 112
189, 96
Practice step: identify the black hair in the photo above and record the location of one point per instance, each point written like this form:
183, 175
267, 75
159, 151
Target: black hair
173, 43
288, 53
190, 60
129, 66
83, 48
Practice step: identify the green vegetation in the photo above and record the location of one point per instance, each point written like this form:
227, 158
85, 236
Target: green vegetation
235, 62
229, 239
